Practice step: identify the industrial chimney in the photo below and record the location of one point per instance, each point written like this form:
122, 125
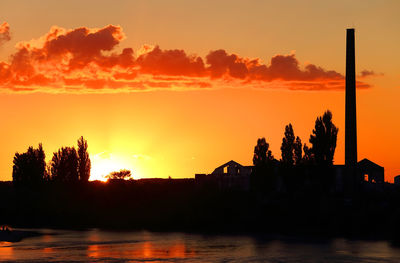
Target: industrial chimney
351, 121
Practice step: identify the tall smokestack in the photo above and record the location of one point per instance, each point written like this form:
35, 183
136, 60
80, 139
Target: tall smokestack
351, 121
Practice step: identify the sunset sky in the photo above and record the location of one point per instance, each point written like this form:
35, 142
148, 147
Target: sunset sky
174, 88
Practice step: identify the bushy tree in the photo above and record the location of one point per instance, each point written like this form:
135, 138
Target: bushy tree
29, 167
308, 157
323, 139
121, 175
262, 154
263, 177
47, 172
64, 165
84, 164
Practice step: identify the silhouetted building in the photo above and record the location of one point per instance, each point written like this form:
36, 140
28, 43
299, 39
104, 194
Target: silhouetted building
371, 172
230, 175
397, 179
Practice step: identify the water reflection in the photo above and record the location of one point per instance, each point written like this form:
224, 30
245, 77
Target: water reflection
6, 251
93, 251
97, 246
145, 250
48, 250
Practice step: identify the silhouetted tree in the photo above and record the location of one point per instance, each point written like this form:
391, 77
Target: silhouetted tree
64, 165
263, 178
291, 148
262, 154
83, 160
121, 175
323, 139
287, 147
298, 153
308, 157
29, 167
47, 172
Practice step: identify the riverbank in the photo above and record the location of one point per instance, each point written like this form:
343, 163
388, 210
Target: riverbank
180, 205
17, 235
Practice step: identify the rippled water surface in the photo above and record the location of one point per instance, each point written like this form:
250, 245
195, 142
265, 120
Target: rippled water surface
106, 246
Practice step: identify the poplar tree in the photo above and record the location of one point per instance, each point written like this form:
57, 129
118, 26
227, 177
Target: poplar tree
84, 164
287, 147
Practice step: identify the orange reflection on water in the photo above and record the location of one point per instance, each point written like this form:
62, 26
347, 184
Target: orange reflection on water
145, 250
48, 250
93, 251
179, 251
149, 250
6, 251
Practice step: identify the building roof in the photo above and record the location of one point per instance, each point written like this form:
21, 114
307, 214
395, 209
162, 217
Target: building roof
367, 163
231, 162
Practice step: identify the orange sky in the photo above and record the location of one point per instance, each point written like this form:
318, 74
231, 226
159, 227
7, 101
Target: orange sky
180, 88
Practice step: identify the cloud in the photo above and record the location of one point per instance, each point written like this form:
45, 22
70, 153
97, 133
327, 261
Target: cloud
223, 64
369, 73
282, 67
4, 33
170, 62
89, 60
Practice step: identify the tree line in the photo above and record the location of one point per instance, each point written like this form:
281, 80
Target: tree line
68, 164
293, 153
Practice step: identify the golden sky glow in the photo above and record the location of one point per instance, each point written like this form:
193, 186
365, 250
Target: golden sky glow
172, 88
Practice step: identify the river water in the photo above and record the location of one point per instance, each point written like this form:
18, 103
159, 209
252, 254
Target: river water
143, 246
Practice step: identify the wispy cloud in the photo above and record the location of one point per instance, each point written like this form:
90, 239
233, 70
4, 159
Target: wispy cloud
369, 73
86, 60
4, 33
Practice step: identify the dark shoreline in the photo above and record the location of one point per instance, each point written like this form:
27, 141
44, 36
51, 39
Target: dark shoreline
17, 235
181, 206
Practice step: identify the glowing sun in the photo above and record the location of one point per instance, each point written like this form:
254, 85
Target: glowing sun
105, 163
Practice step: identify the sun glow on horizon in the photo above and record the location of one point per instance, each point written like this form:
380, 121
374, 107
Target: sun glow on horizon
104, 163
